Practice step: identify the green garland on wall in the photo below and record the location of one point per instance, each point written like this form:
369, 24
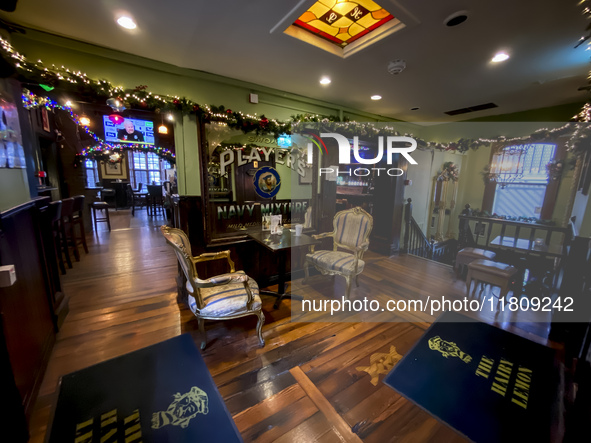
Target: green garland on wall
140, 98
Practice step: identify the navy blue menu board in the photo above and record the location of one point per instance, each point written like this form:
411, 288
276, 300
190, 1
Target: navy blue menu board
486, 383
162, 393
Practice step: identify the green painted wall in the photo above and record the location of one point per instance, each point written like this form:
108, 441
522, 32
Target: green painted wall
14, 188
129, 71
14, 184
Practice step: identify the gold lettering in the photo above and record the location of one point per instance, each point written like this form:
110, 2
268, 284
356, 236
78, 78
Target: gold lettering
484, 367
517, 402
84, 424
498, 389
502, 377
108, 435
133, 437
134, 416
108, 425
108, 417
521, 388
86, 438
81, 435
132, 427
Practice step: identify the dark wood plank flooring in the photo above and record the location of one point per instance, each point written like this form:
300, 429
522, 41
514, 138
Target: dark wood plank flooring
303, 386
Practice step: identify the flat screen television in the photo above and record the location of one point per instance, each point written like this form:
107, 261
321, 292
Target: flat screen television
130, 131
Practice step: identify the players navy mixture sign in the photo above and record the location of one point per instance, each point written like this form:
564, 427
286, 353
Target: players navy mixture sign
162, 393
486, 383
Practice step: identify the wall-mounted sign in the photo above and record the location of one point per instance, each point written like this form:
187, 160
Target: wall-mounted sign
267, 182
291, 159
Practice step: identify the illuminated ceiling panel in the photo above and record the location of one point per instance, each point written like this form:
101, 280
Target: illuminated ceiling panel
344, 23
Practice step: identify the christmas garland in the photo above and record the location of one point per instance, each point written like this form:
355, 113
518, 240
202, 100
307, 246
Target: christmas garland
101, 150
140, 97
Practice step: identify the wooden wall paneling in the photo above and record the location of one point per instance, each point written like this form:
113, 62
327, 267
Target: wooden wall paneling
58, 301
12, 414
388, 208
26, 313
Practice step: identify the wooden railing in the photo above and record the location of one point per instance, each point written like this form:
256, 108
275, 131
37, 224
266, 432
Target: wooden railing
416, 243
530, 238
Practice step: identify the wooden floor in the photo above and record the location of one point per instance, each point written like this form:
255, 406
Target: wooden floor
306, 385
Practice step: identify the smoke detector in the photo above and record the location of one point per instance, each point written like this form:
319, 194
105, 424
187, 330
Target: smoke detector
396, 66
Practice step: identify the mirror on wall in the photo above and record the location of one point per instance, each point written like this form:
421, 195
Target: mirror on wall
250, 175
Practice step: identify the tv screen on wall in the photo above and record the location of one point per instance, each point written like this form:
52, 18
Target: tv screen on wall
130, 131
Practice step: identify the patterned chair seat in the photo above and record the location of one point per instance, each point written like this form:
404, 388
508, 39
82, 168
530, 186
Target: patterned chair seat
228, 302
224, 296
351, 232
341, 262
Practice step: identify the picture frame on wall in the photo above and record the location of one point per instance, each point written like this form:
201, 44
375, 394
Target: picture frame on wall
45, 120
113, 168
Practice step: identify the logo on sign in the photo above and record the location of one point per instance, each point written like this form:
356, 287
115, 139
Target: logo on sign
267, 182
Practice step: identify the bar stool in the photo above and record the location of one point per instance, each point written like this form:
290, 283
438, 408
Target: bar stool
100, 206
468, 255
54, 214
137, 197
78, 220
155, 200
492, 273
66, 230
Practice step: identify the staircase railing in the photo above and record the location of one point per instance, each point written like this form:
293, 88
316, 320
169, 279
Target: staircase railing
415, 242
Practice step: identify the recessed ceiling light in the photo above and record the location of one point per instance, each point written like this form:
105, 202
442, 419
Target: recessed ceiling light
500, 57
325, 81
126, 22
376, 97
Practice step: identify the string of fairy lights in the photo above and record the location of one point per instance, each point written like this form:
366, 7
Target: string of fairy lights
101, 150
585, 114
141, 98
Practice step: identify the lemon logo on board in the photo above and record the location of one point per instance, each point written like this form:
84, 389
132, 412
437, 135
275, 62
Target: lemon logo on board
183, 408
448, 349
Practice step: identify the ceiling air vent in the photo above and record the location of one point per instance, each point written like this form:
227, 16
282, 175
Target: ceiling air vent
472, 109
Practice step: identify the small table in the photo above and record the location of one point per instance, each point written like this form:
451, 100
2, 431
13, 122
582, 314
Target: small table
535, 255
524, 245
280, 244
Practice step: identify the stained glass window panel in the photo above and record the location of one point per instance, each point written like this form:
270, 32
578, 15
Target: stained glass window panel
343, 22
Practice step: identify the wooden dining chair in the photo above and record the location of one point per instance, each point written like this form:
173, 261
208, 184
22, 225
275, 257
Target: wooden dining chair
54, 215
155, 200
66, 230
78, 221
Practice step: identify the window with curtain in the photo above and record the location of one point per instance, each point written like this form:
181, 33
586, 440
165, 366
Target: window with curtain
91, 173
522, 179
146, 168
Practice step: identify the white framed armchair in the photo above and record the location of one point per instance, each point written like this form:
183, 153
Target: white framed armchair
351, 232
222, 297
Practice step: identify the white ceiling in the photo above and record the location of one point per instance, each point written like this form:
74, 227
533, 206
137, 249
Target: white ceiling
447, 68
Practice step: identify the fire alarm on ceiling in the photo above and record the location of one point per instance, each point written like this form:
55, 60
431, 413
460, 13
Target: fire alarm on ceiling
253, 98
396, 66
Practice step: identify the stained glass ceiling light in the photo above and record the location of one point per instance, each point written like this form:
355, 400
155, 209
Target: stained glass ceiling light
344, 27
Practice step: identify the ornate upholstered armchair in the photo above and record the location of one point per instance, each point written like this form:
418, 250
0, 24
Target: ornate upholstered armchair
222, 297
351, 232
